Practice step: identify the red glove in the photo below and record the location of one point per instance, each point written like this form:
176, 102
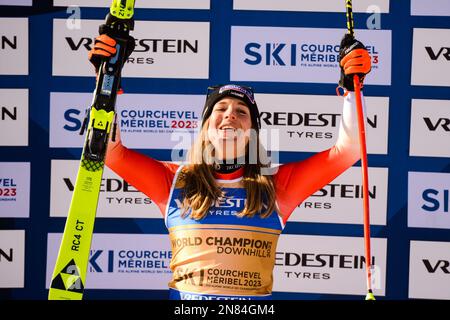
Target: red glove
355, 59
104, 47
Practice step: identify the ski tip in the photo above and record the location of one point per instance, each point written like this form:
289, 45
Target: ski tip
370, 296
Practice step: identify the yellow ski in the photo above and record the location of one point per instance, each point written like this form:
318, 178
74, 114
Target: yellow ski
69, 275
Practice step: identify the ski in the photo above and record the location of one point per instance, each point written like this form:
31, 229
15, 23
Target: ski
69, 275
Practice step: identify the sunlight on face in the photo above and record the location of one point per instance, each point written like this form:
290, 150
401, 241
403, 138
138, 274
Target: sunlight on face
229, 126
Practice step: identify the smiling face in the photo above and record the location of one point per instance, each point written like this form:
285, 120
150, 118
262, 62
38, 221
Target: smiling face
229, 126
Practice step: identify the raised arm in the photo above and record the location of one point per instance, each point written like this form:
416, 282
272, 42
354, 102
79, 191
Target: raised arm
294, 182
152, 177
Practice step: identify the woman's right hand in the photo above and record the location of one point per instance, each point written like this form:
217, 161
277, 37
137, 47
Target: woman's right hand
104, 48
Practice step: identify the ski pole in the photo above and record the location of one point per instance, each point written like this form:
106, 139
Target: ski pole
364, 164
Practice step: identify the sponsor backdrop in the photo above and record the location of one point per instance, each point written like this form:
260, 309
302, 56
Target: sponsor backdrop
288, 51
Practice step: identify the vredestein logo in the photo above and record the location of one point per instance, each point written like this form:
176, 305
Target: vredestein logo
75, 45
6, 255
9, 42
142, 45
8, 113
437, 266
111, 185
167, 46
161, 46
348, 191
438, 53
172, 50
107, 185
437, 124
320, 261
308, 120
342, 191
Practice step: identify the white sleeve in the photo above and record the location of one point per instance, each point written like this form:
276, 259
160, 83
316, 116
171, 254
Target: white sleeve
348, 138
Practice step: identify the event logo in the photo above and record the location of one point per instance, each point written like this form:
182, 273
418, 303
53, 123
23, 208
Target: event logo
117, 197
128, 261
341, 200
324, 264
428, 200
430, 121
14, 46
310, 123
12, 258
14, 117
122, 261
146, 120
152, 4
175, 50
318, 5
14, 189
302, 54
429, 270
431, 57
430, 8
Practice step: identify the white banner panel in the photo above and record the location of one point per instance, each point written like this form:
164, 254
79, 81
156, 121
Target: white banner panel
430, 8
430, 128
122, 261
317, 5
163, 49
147, 121
428, 200
14, 189
429, 269
322, 264
310, 123
152, 4
16, 2
431, 57
13, 117
12, 258
14, 46
117, 199
341, 200
310, 55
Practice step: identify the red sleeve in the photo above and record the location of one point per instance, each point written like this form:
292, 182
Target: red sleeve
152, 177
294, 182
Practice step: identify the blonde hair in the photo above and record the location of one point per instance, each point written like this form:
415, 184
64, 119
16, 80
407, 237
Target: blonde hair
201, 190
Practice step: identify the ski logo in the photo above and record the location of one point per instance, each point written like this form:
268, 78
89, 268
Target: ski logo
68, 279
